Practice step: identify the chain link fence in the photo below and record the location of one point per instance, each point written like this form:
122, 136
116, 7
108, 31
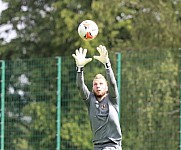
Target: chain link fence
41, 108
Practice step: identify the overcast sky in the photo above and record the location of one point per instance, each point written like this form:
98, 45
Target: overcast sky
2, 6
6, 35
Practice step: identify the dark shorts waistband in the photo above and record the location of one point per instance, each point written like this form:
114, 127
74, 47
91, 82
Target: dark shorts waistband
109, 142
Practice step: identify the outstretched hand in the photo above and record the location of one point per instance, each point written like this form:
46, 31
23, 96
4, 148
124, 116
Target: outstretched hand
79, 57
103, 58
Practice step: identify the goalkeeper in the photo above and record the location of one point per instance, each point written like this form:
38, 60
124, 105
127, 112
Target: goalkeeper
101, 101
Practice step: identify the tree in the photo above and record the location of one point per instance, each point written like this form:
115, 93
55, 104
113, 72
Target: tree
49, 28
33, 22
149, 100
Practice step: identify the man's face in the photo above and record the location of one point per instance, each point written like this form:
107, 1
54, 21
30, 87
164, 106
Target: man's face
100, 87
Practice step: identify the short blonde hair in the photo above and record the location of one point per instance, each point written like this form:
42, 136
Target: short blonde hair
100, 76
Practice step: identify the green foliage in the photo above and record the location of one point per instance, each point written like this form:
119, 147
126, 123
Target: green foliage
149, 78
31, 104
49, 28
150, 92
149, 106
41, 121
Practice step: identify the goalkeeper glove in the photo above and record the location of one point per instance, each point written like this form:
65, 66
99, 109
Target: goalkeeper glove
103, 58
80, 59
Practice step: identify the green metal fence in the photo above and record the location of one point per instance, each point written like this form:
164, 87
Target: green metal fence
41, 108
150, 100
2, 102
30, 104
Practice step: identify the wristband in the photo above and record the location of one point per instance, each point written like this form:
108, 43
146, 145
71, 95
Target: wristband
79, 69
107, 65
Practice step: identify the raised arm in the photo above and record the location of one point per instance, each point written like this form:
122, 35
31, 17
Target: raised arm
81, 61
113, 89
103, 58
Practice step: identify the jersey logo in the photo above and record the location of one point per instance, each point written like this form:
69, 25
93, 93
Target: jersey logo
103, 106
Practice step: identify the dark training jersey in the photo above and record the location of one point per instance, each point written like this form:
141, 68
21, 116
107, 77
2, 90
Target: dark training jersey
103, 115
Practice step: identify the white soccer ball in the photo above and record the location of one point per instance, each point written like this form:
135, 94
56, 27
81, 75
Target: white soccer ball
88, 30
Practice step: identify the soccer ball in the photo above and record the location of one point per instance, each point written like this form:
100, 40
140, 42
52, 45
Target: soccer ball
88, 30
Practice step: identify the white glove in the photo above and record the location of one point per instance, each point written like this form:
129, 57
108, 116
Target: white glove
79, 57
103, 58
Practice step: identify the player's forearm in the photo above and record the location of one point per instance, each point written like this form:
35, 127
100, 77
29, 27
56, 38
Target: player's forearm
84, 92
110, 74
113, 90
79, 80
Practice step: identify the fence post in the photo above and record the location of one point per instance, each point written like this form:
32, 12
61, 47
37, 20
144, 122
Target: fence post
180, 95
119, 80
2, 102
58, 102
